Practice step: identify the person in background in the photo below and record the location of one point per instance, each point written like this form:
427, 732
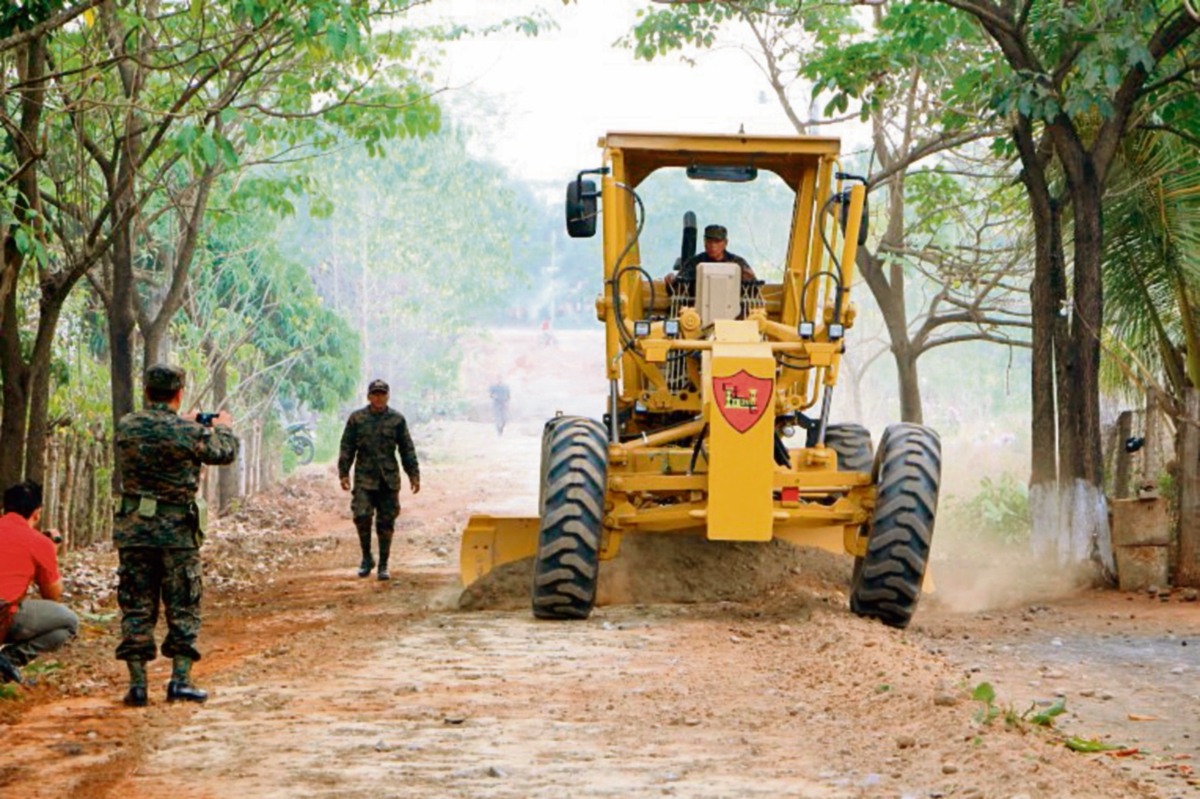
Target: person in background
29, 627
159, 527
499, 393
369, 443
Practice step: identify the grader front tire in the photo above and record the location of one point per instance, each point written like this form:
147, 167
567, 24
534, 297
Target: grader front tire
567, 564
887, 579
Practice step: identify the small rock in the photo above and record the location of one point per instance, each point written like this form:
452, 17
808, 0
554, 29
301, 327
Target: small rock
1088, 692
1056, 642
1106, 695
380, 746
949, 768
733, 639
1190, 595
905, 741
494, 771
945, 700
1179, 670
1152, 590
455, 720
691, 722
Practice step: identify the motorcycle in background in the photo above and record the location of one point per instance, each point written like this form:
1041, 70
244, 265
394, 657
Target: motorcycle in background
300, 441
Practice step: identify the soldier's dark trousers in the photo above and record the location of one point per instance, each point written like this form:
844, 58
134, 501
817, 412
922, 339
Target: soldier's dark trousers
148, 575
382, 506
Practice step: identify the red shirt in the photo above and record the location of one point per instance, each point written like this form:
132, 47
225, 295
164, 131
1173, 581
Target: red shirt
25, 556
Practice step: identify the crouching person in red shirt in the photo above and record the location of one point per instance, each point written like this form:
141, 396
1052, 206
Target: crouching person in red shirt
28, 627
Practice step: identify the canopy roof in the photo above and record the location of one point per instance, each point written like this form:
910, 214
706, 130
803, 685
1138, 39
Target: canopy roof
787, 156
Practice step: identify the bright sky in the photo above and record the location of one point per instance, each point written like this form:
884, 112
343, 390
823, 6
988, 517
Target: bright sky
541, 104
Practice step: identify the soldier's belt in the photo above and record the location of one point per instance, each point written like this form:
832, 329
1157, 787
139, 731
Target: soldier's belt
131, 502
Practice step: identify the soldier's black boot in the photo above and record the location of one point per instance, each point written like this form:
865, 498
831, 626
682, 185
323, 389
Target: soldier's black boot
9, 671
364, 541
136, 695
180, 688
385, 549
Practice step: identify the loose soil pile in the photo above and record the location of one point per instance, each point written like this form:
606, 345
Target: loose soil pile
682, 569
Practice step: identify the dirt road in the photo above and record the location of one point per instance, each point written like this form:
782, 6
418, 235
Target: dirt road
325, 685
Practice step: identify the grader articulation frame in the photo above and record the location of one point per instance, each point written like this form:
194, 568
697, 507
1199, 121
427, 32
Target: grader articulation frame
705, 383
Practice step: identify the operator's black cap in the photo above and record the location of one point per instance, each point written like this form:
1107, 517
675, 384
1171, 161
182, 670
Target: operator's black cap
164, 377
378, 387
716, 232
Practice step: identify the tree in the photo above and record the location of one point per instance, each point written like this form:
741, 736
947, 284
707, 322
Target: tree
1079, 78
413, 273
140, 110
906, 77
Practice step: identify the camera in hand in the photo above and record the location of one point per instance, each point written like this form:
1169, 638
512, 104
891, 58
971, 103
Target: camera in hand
53, 535
206, 419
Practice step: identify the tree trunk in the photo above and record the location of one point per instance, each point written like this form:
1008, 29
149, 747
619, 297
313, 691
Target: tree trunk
1187, 563
227, 476
39, 379
889, 295
16, 396
1091, 539
121, 326
910, 386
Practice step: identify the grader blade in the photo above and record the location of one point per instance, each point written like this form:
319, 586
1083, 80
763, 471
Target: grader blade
490, 541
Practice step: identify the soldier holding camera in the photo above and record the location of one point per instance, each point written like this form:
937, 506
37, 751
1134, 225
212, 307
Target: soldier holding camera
159, 527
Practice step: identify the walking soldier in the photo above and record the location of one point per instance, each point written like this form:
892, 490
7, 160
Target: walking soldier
369, 444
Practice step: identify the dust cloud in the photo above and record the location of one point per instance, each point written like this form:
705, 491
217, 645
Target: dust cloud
974, 576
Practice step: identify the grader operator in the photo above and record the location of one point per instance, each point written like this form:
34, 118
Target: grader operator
707, 380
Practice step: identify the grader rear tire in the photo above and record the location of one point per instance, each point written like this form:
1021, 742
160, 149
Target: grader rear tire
567, 564
852, 443
887, 579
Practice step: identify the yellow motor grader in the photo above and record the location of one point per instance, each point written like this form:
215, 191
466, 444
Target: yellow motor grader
708, 379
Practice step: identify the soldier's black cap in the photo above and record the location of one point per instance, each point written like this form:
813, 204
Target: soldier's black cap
716, 232
378, 387
164, 377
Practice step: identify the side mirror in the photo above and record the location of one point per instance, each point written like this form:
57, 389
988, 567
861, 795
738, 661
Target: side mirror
866, 214
582, 209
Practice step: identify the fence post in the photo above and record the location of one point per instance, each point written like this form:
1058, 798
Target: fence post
1124, 431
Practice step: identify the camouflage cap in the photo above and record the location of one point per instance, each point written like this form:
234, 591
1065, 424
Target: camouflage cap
377, 387
716, 232
164, 377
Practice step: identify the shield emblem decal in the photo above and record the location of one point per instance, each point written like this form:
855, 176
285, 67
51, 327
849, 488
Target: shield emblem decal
742, 398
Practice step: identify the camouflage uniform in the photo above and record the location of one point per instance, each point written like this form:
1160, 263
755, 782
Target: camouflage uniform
369, 443
158, 526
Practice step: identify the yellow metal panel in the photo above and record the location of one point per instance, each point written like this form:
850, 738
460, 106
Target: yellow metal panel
489, 541
831, 538
741, 410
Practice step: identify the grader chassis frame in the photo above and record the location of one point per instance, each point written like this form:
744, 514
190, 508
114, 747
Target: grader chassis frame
691, 441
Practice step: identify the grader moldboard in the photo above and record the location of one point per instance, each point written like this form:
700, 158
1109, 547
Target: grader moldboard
706, 381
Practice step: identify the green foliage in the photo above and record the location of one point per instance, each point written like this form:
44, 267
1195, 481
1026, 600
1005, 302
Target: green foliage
411, 272
1089, 745
989, 711
999, 513
985, 695
1151, 265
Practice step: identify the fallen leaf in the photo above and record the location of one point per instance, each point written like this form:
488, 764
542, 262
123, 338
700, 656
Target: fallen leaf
1140, 717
